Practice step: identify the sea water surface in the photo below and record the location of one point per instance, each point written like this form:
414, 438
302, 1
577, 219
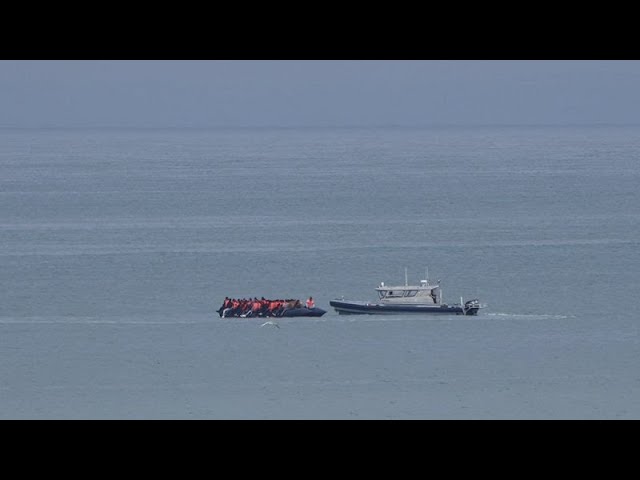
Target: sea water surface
117, 246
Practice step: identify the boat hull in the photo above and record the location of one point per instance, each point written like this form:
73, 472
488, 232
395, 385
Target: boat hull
304, 312
344, 307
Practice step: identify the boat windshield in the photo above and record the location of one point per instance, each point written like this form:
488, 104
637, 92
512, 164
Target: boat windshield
397, 293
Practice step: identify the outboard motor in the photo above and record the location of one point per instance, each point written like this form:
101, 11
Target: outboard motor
471, 307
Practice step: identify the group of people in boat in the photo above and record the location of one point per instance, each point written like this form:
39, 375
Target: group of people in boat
248, 307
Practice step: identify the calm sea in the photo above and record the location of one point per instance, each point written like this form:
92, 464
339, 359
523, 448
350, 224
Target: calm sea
116, 247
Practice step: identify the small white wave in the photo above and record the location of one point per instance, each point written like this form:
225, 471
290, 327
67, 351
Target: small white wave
525, 315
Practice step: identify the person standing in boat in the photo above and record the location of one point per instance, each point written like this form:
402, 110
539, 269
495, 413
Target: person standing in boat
310, 303
226, 304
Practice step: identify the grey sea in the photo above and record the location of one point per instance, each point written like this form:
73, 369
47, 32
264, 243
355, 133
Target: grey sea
117, 246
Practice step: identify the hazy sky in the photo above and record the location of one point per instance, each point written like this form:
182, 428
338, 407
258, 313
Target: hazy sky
209, 93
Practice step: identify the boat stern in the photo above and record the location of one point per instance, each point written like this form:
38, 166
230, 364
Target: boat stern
471, 307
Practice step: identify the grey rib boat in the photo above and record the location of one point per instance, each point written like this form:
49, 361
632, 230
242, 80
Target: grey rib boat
424, 298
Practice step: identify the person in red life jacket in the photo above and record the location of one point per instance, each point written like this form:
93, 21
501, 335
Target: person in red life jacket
273, 307
232, 308
245, 308
310, 303
236, 307
225, 304
256, 307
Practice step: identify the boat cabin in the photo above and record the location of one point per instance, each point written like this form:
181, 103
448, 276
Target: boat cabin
423, 293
